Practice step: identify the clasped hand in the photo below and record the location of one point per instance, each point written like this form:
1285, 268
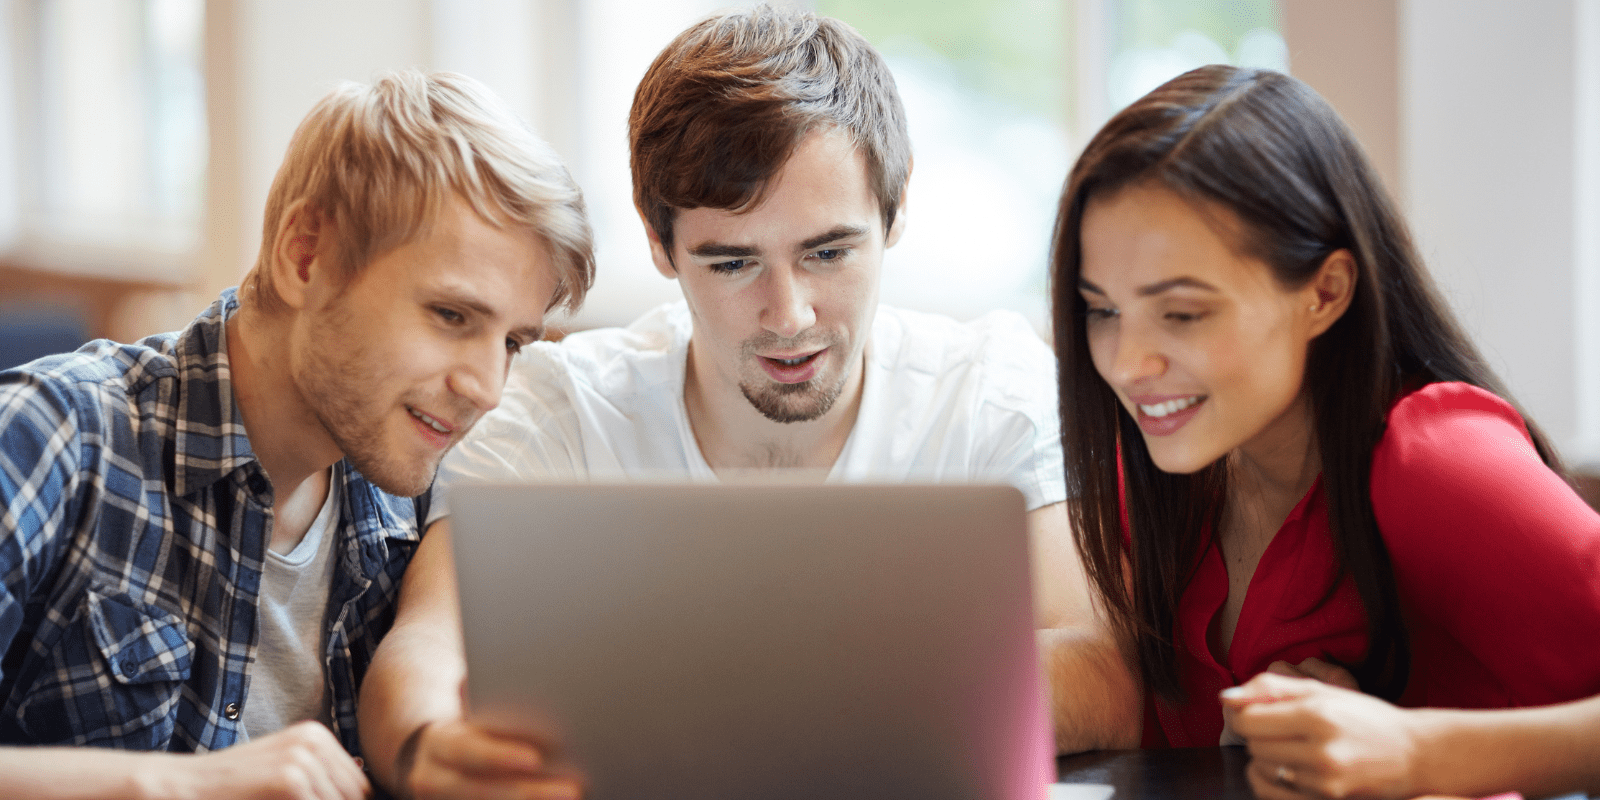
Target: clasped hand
1311, 734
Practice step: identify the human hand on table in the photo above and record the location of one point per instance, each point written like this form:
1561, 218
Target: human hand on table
1314, 668
1309, 738
301, 762
458, 759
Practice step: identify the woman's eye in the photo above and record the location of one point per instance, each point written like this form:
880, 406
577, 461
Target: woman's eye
513, 346
1094, 314
1185, 316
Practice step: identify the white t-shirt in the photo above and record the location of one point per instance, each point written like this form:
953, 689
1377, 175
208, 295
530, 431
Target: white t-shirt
941, 401
288, 681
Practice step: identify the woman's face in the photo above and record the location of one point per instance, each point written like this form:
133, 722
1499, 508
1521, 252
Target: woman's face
1200, 342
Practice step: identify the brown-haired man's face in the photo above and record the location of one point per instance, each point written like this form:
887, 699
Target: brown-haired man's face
783, 295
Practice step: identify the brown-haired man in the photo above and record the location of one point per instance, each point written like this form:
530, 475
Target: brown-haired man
770, 160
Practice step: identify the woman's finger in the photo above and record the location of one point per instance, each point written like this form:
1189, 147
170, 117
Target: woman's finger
1328, 673
1266, 687
1289, 719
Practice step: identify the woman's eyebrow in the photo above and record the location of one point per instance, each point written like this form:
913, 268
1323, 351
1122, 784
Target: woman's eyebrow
1175, 283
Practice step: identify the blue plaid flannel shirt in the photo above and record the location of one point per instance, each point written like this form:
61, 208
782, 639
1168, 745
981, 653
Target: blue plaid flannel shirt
134, 519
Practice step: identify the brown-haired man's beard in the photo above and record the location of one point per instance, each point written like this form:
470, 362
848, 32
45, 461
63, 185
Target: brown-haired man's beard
793, 402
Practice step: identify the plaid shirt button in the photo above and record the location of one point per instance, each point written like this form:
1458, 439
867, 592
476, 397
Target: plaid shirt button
231, 711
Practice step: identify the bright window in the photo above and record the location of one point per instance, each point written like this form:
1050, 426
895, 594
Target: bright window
1151, 41
110, 123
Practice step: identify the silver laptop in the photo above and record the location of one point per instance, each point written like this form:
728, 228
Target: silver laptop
759, 640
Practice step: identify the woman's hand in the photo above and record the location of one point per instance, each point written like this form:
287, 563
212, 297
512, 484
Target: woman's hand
1314, 668
1310, 738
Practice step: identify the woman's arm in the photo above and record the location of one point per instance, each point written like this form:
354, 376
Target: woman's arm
1494, 555
1308, 738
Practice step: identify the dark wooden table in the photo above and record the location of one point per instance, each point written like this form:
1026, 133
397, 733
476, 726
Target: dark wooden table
1177, 774
1213, 773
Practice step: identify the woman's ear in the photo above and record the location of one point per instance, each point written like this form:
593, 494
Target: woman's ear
1330, 291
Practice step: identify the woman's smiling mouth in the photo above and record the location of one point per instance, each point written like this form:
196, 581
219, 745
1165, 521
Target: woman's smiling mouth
1169, 407
1164, 417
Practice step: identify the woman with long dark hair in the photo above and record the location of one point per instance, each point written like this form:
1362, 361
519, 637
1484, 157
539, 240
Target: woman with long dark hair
1285, 451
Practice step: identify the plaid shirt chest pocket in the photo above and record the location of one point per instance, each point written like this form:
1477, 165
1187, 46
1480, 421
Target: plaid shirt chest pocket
113, 677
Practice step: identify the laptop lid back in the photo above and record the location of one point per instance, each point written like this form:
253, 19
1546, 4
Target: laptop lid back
759, 640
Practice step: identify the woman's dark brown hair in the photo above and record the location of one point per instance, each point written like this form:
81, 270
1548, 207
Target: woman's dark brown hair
1268, 149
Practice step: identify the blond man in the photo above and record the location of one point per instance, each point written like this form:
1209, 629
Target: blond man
205, 532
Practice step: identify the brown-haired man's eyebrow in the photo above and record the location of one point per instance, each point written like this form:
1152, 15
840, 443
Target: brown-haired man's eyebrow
1175, 283
834, 235
718, 250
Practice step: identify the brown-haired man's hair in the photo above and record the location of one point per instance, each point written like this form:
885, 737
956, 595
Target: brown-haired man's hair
726, 103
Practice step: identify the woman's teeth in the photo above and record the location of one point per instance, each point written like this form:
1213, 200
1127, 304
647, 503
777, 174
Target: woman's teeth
1169, 407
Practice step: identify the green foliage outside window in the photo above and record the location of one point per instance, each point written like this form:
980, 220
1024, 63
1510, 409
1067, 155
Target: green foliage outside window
1011, 50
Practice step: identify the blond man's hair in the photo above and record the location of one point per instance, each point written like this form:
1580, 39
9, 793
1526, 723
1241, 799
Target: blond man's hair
380, 160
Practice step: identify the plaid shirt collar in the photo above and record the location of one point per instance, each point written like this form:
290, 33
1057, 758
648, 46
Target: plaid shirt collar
210, 442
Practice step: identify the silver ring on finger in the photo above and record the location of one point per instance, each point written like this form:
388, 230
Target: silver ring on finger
1284, 776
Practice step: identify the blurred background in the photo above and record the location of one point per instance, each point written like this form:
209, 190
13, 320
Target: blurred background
138, 139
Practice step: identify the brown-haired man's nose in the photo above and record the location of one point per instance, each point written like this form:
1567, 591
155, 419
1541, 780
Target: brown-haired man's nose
788, 311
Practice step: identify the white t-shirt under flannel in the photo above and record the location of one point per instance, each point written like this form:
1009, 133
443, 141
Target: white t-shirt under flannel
288, 683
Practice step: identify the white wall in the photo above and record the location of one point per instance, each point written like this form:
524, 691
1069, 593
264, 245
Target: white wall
1587, 216
1490, 148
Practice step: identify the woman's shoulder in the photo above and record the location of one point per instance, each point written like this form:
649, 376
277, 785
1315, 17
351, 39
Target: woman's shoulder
1449, 448
1449, 420
1472, 518
1444, 401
